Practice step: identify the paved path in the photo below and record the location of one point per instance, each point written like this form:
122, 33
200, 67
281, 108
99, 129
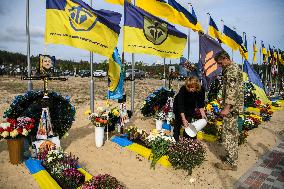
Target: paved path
267, 173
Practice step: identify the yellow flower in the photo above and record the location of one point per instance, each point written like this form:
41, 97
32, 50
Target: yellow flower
5, 134
87, 112
14, 133
100, 109
25, 132
115, 112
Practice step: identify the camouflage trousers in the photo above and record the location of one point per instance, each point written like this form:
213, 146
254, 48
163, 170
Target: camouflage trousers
230, 138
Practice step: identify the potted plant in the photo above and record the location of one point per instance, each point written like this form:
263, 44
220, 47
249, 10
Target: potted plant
100, 121
103, 181
14, 130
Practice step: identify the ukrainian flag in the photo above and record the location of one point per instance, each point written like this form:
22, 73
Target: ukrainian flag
194, 15
231, 38
172, 11
74, 23
269, 55
280, 56
147, 34
243, 48
116, 76
264, 52
254, 50
120, 2
213, 30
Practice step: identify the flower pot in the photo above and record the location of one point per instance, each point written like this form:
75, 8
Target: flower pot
16, 150
99, 136
159, 124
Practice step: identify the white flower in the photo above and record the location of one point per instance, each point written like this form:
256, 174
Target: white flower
49, 159
4, 125
5, 134
25, 132
14, 133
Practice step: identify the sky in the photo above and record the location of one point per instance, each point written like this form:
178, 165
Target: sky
263, 19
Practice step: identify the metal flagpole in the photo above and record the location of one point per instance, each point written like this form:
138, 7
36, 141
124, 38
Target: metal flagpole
242, 56
132, 81
132, 84
208, 21
92, 79
188, 36
30, 84
164, 77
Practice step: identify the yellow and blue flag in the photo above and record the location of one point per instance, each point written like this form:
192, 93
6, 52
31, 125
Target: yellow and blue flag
194, 15
76, 24
119, 2
264, 53
280, 58
270, 55
116, 76
147, 34
171, 11
231, 38
255, 50
213, 30
243, 48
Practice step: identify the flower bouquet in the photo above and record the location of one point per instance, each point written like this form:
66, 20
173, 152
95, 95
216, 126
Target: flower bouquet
186, 154
62, 167
159, 144
113, 118
103, 182
137, 135
266, 113
156, 101
15, 128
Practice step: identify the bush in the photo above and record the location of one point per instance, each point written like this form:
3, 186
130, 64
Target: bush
186, 154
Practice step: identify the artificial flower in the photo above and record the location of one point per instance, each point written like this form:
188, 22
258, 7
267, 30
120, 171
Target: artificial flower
5, 125
14, 133
5, 134
25, 132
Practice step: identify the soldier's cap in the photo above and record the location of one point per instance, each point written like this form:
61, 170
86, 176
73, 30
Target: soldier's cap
221, 54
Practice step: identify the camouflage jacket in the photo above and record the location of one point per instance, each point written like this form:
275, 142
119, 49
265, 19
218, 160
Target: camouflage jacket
233, 90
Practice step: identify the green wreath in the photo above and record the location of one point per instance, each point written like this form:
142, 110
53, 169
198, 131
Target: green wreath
62, 112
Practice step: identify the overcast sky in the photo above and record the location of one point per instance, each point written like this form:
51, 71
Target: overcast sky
261, 18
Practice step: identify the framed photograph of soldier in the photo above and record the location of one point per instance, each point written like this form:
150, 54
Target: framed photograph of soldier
46, 65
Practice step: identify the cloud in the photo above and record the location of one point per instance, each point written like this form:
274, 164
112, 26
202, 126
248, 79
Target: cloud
18, 35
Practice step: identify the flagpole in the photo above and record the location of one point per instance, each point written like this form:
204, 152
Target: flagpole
92, 79
242, 56
232, 49
30, 84
132, 79
164, 77
188, 40
208, 21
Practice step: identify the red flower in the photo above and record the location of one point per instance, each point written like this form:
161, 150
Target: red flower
10, 129
13, 122
1, 130
20, 130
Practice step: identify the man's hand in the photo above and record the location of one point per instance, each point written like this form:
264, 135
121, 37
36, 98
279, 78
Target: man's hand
225, 111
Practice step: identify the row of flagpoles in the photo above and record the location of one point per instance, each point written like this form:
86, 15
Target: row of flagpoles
77, 24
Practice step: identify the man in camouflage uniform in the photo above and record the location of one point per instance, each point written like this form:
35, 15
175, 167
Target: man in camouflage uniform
233, 101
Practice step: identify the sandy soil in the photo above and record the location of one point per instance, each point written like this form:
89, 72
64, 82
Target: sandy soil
133, 170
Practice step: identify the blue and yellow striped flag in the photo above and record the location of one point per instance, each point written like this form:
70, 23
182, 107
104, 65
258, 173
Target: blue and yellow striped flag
213, 30
194, 15
255, 50
171, 11
119, 2
147, 34
76, 24
231, 38
243, 47
116, 76
264, 53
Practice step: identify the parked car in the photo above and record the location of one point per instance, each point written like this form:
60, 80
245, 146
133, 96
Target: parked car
84, 73
99, 73
138, 74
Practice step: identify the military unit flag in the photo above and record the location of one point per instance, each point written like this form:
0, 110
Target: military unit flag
76, 24
147, 34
